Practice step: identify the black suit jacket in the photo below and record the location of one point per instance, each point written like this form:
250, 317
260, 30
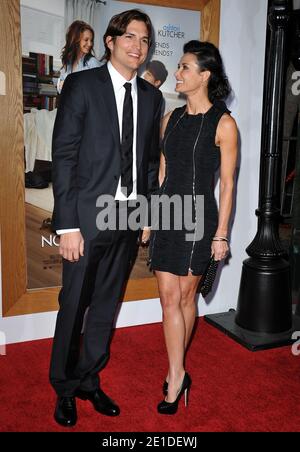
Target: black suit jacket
86, 147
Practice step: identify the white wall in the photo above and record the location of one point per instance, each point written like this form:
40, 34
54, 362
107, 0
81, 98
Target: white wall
242, 46
42, 32
48, 6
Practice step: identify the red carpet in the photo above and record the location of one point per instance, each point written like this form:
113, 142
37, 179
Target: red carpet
233, 389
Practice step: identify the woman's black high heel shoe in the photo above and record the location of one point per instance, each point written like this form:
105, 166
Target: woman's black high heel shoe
171, 407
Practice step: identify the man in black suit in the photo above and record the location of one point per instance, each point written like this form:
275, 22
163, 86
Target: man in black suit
105, 141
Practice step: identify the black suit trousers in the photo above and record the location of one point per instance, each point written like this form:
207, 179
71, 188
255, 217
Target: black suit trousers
95, 282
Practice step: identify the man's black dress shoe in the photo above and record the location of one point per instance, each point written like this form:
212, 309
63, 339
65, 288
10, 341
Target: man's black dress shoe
65, 411
102, 403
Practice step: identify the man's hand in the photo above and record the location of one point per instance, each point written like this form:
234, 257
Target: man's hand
71, 246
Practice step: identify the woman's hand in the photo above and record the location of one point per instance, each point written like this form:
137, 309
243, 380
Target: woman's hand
145, 236
219, 249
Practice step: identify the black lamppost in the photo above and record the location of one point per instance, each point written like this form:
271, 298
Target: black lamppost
264, 313
295, 245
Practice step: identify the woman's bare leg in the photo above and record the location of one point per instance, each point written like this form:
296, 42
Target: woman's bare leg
188, 287
174, 329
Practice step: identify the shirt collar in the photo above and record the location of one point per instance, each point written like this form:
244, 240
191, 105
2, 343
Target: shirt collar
118, 80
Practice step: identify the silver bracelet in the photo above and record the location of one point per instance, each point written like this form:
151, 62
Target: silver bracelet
220, 239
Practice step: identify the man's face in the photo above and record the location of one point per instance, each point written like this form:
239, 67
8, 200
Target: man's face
130, 50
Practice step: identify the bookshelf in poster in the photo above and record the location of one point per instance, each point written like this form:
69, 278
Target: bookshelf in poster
39, 87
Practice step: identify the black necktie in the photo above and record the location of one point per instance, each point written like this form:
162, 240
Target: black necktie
127, 142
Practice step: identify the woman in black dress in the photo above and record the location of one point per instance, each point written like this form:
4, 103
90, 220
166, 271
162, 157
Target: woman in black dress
198, 138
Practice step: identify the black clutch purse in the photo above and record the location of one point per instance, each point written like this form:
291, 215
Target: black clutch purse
208, 277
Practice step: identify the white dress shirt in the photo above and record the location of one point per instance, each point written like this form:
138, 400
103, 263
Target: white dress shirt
118, 82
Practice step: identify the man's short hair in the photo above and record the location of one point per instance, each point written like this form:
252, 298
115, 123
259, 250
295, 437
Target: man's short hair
118, 24
158, 70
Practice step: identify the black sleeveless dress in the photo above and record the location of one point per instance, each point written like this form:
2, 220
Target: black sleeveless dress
192, 158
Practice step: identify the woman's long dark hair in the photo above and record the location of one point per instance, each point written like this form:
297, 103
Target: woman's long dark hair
119, 23
70, 51
209, 59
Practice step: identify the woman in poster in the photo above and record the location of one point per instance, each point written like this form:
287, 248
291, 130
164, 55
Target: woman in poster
77, 54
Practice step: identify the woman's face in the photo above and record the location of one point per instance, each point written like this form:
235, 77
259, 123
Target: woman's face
86, 42
189, 79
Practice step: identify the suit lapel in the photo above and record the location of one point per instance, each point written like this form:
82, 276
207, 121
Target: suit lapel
108, 95
141, 121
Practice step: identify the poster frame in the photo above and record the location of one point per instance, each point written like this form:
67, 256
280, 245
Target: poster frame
16, 298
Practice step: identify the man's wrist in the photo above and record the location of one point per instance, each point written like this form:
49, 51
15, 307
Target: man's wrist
66, 231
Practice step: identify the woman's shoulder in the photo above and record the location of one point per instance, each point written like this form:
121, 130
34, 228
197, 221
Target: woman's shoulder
227, 122
227, 127
223, 114
173, 114
93, 62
